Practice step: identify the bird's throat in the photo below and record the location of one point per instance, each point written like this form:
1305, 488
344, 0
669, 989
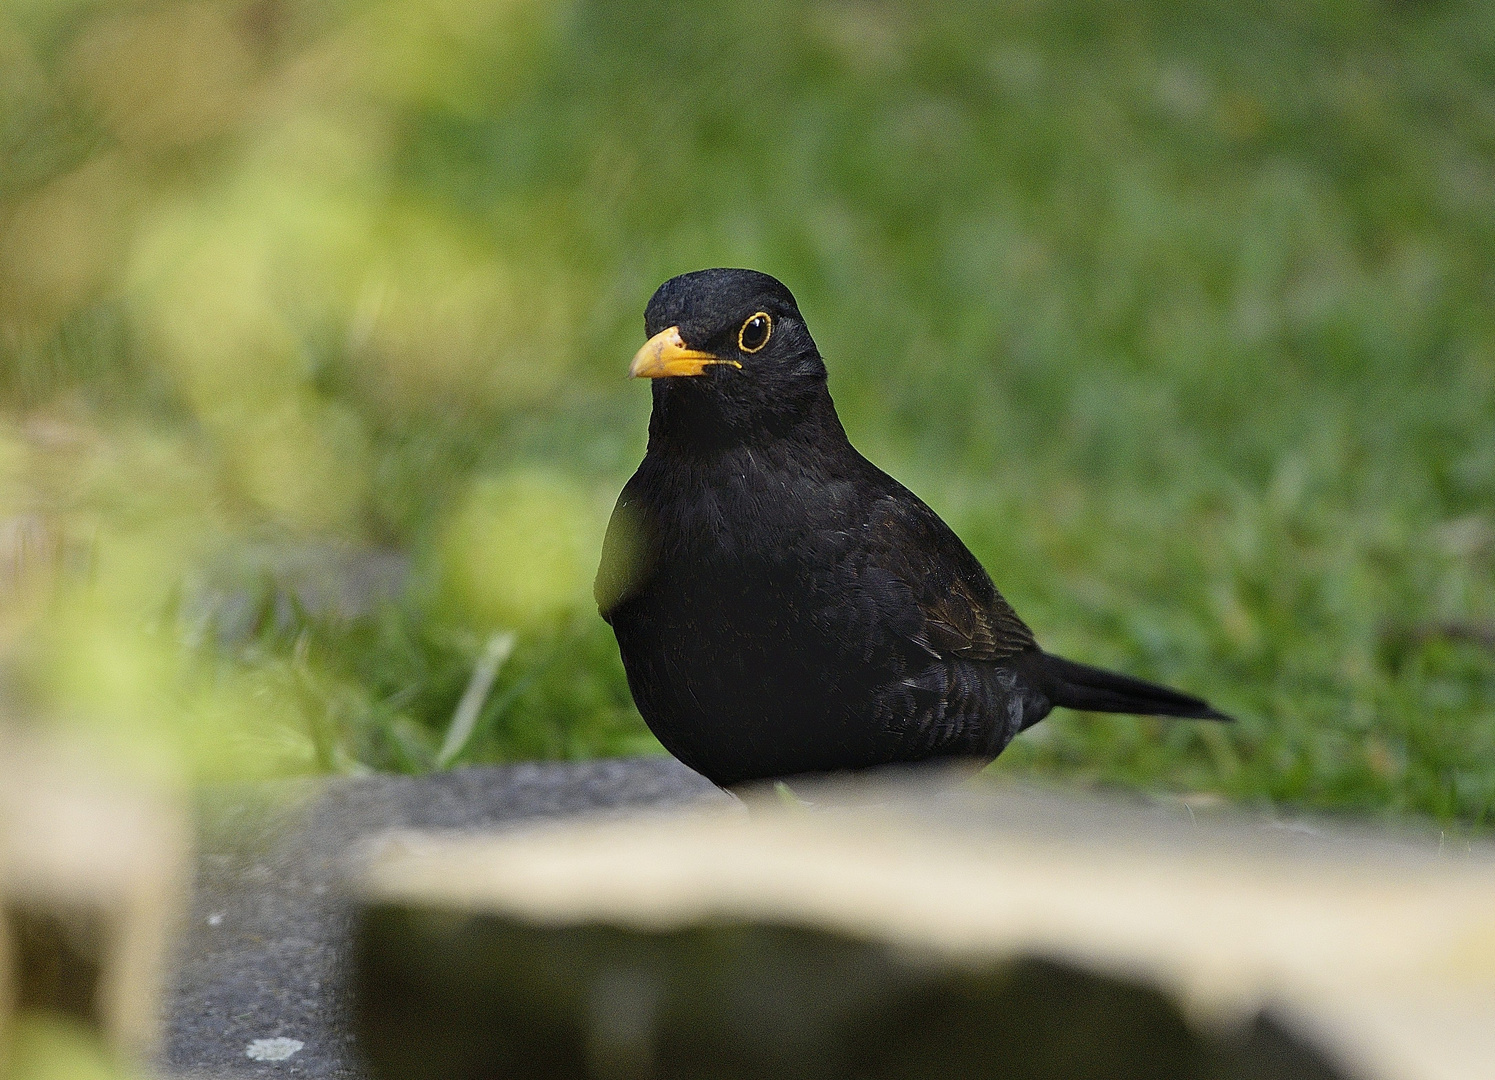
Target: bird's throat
696, 416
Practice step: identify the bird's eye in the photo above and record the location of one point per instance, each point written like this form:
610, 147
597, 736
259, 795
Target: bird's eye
754, 333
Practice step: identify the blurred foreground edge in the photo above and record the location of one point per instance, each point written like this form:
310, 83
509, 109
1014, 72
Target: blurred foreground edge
93, 877
892, 929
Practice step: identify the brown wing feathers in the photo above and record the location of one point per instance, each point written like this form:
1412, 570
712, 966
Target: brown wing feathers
964, 615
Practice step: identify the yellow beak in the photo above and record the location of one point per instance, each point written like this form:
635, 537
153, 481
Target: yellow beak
665, 354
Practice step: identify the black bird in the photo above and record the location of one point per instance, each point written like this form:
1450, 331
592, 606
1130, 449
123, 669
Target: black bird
782, 605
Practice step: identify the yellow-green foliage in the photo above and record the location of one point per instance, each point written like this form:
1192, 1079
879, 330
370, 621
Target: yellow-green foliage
42, 1047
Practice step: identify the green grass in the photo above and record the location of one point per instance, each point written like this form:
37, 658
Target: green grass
1180, 313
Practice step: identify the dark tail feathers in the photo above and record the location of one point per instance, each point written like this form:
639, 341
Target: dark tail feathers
1080, 686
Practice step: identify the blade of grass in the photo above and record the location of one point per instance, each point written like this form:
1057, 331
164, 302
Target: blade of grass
465, 718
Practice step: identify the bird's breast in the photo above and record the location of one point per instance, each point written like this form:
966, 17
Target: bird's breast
761, 637
750, 517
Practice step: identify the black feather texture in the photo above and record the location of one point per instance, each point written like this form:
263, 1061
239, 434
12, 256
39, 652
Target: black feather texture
1080, 686
783, 606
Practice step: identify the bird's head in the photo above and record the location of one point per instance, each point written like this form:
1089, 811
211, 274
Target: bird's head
728, 348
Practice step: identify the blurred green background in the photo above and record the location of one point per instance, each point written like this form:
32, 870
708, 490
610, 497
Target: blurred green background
314, 318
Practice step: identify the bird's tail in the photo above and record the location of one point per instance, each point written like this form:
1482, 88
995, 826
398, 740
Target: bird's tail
1080, 686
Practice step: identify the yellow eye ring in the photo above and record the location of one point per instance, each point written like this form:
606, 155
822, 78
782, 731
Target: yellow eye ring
747, 337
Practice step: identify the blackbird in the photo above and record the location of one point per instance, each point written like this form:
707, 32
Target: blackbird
782, 605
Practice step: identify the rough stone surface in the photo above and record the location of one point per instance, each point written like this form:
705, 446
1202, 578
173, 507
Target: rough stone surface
262, 958
262, 962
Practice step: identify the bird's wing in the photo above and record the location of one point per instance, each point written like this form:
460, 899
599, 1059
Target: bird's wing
626, 561
963, 614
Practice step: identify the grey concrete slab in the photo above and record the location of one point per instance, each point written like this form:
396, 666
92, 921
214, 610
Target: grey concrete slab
262, 956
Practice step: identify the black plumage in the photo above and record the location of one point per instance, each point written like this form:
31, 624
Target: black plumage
781, 604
